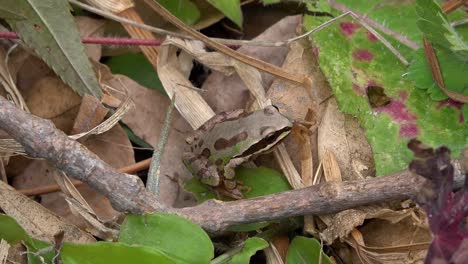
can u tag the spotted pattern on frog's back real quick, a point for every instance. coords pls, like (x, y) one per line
(223, 143)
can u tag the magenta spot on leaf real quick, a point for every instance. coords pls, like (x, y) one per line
(455, 104)
(450, 103)
(398, 111)
(409, 130)
(362, 55)
(373, 83)
(371, 37)
(403, 95)
(348, 28)
(315, 51)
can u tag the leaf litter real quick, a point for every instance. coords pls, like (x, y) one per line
(364, 230)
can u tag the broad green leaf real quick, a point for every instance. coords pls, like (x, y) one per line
(185, 10)
(50, 31)
(352, 59)
(115, 253)
(137, 67)
(230, 8)
(13, 233)
(261, 181)
(201, 191)
(306, 250)
(171, 234)
(435, 25)
(251, 246)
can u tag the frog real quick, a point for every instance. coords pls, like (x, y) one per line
(230, 139)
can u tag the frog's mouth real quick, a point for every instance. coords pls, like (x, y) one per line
(266, 143)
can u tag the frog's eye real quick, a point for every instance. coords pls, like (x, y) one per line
(267, 131)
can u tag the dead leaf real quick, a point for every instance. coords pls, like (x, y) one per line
(146, 120)
(90, 114)
(113, 147)
(90, 27)
(38, 222)
(226, 93)
(344, 135)
(4, 247)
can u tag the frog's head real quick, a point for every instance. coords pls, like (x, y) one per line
(267, 127)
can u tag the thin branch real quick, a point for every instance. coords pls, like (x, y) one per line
(127, 194)
(99, 40)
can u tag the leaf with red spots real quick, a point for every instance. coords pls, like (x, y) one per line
(354, 61)
(446, 210)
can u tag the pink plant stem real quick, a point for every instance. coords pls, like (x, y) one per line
(104, 41)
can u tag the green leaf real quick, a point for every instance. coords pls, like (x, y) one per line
(50, 31)
(13, 233)
(305, 250)
(230, 8)
(185, 10)
(262, 181)
(353, 59)
(10, 231)
(108, 252)
(453, 72)
(138, 68)
(251, 246)
(435, 25)
(201, 191)
(134, 138)
(171, 234)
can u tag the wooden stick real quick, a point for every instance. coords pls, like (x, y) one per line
(130, 169)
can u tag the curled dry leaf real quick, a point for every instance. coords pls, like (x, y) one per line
(38, 222)
(392, 237)
(226, 93)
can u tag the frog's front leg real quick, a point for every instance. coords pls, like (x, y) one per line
(202, 168)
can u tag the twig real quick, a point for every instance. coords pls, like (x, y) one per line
(130, 169)
(127, 193)
(100, 40)
(152, 184)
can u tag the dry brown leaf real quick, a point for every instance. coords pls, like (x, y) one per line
(52, 99)
(146, 120)
(189, 103)
(90, 27)
(4, 247)
(113, 147)
(38, 222)
(343, 134)
(394, 237)
(90, 114)
(226, 93)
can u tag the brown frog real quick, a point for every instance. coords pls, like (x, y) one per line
(229, 139)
